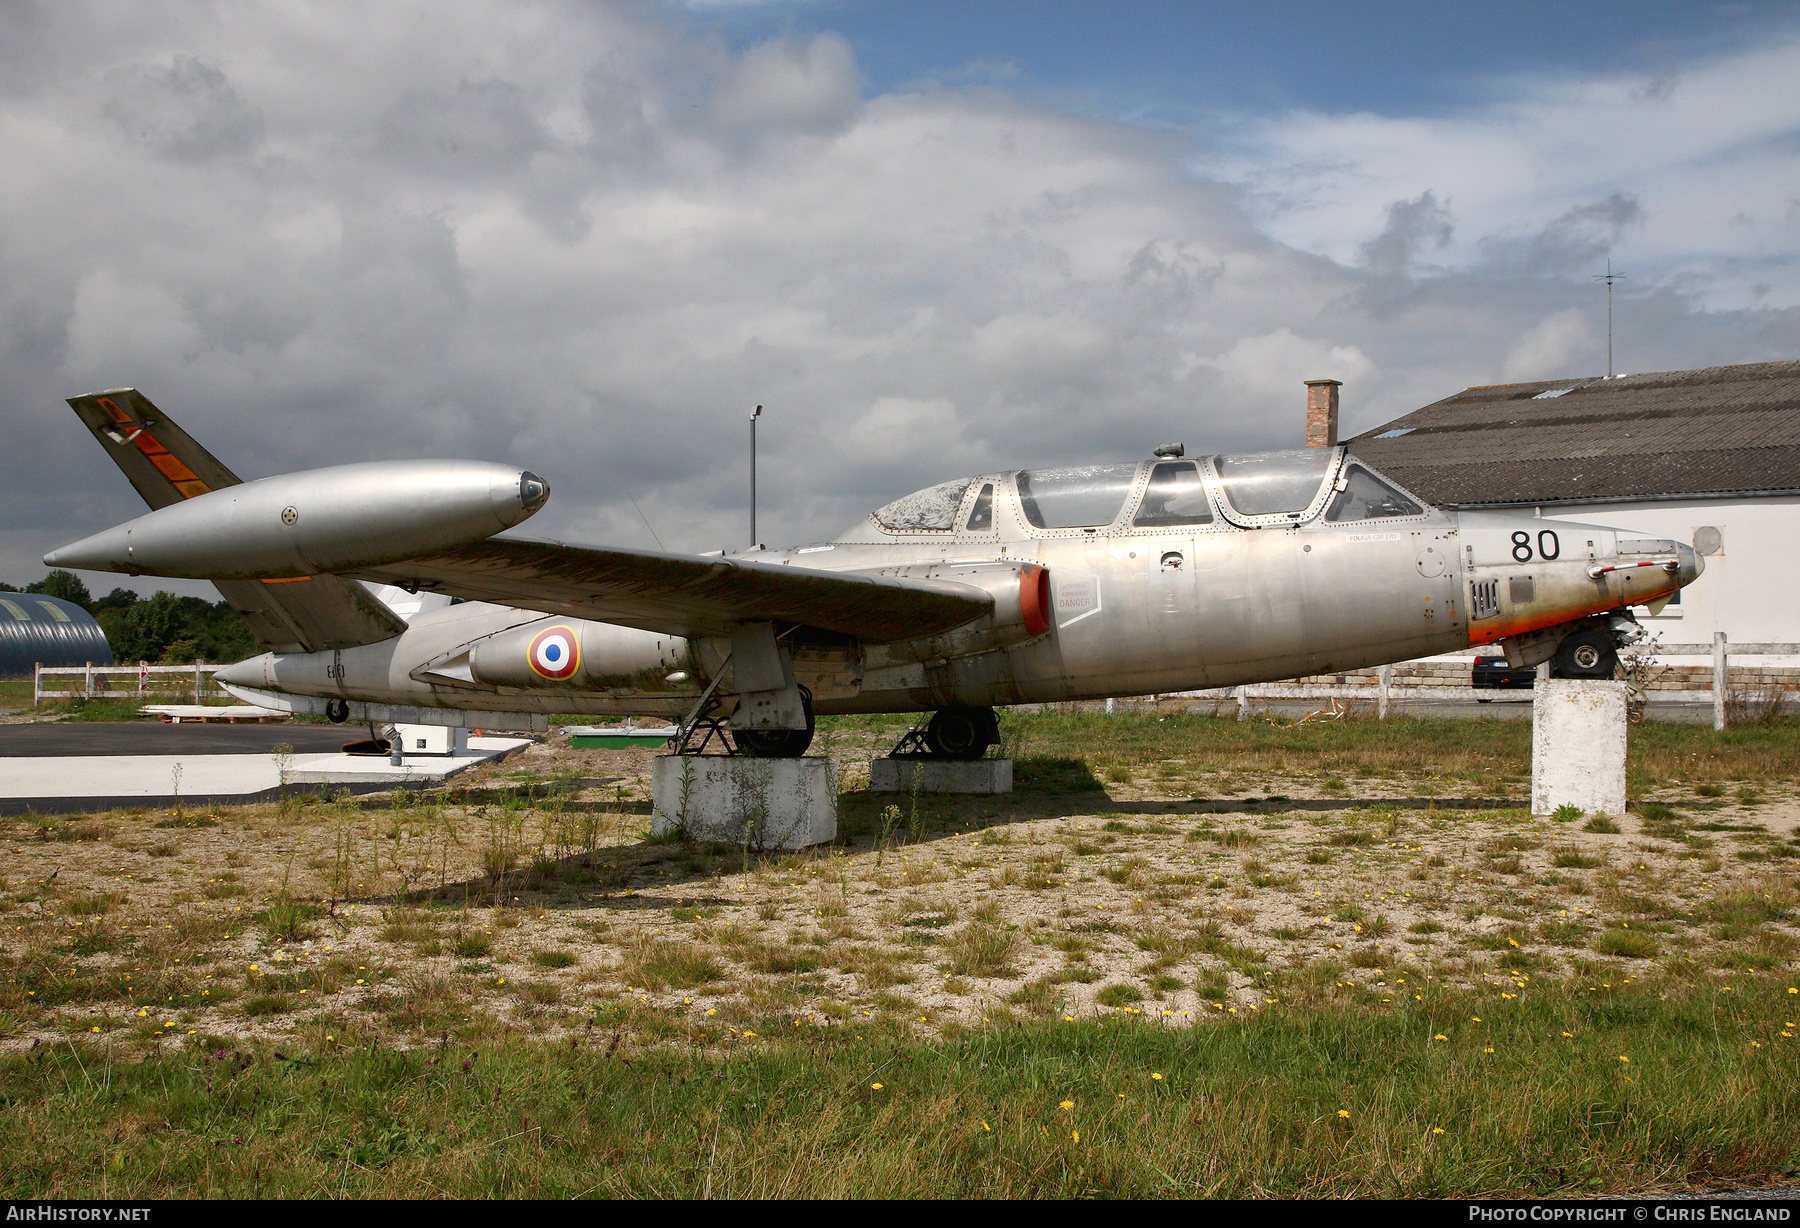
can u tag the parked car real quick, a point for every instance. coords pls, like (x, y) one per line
(1493, 673)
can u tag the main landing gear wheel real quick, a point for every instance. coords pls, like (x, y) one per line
(778, 743)
(337, 711)
(962, 733)
(1586, 654)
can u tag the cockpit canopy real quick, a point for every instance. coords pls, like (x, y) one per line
(1250, 490)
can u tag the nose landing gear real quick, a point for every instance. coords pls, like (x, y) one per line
(1586, 654)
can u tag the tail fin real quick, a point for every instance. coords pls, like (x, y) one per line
(162, 461)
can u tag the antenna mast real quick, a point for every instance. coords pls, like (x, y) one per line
(754, 415)
(1609, 277)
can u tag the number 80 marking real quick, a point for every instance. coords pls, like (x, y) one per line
(1548, 547)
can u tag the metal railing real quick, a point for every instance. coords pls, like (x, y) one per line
(124, 681)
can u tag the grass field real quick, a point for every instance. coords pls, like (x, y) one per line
(1330, 941)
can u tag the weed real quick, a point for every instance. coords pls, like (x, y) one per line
(1602, 823)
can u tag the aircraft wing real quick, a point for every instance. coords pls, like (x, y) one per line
(684, 594)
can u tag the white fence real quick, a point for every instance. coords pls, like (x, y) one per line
(1384, 691)
(125, 681)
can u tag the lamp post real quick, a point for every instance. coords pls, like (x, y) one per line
(754, 415)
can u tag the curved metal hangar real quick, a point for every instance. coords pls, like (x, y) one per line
(1027, 586)
(38, 630)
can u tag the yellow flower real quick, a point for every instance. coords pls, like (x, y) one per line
(1623, 1058)
(1066, 1105)
(1157, 1077)
(1570, 1035)
(1440, 1036)
(96, 1028)
(987, 1127)
(1343, 1112)
(1487, 1050)
(1477, 1018)
(875, 1087)
(1437, 1129)
(1076, 1135)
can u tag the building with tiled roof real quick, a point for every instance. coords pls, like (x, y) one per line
(1710, 456)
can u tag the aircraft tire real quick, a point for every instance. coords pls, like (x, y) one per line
(1586, 654)
(962, 733)
(778, 743)
(337, 711)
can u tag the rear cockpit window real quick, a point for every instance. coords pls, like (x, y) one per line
(1274, 483)
(1081, 497)
(935, 507)
(1366, 497)
(1174, 496)
(981, 516)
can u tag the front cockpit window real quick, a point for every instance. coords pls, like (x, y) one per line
(1174, 496)
(1274, 483)
(1080, 497)
(933, 508)
(981, 516)
(1363, 496)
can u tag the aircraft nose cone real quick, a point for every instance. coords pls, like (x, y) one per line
(249, 672)
(1691, 564)
(534, 492)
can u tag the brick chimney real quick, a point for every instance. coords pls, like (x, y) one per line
(1321, 412)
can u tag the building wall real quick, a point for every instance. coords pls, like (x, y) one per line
(1748, 590)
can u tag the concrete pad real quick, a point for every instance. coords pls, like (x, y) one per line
(940, 775)
(1578, 745)
(421, 769)
(39, 783)
(718, 799)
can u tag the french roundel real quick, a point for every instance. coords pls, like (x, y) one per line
(555, 653)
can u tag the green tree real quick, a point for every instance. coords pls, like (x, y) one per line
(173, 630)
(64, 584)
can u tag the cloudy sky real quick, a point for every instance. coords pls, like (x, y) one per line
(931, 237)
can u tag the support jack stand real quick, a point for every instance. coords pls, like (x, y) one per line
(913, 746)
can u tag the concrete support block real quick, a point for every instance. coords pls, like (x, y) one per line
(940, 775)
(721, 799)
(1578, 745)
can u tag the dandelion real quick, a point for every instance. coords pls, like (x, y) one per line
(711, 1011)
(1440, 1036)
(96, 1027)
(1488, 1050)
(1076, 1135)
(1343, 1112)
(1477, 1018)
(987, 1127)
(1066, 1105)
(1570, 1035)
(875, 1087)
(1623, 1058)
(1437, 1129)
(1157, 1077)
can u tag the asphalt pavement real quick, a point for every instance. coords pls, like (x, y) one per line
(75, 739)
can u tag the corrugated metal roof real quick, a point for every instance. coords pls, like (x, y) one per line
(1716, 431)
(39, 630)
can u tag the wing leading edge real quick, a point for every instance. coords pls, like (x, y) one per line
(686, 595)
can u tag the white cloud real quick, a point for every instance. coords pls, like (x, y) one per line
(571, 235)
(1559, 346)
(1687, 176)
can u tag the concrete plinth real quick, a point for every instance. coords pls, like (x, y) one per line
(940, 775)
(1578, 745)
(719, 799)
